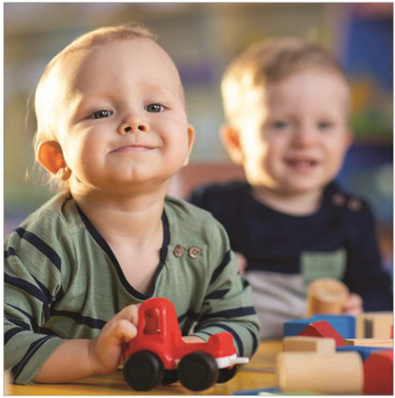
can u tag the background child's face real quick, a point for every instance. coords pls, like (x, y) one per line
(297, 134)
(121, 118)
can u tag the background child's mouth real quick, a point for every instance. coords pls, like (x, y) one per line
(302, 165)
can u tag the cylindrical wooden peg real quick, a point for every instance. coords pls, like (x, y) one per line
(340, 373)
(326, 296)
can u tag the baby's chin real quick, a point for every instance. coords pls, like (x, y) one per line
(307, 188)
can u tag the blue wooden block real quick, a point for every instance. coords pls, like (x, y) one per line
(260, 391)
(364, 352)
(344, 324)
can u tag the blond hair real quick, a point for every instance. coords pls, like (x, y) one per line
(268, 62)
(95, 38)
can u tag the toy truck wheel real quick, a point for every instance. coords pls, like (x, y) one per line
(170, 377)
(227, 374)
(198, 371)
(143, 370)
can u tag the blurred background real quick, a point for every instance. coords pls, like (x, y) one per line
(202, 38)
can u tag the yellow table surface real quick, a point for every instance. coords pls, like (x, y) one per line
(257, 374)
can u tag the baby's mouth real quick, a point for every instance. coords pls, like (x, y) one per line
(134, 148)
(301, 164)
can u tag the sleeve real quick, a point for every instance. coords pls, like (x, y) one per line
(32, 282)
(365, 275)
(227, 304)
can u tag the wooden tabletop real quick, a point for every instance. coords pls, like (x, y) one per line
(259, 373)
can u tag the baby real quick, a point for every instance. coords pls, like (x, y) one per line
(287, 105)
(112, 130)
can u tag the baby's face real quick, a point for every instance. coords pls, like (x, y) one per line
(296, 136)
(120, 116)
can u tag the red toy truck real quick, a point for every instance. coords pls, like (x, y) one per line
(158, 354)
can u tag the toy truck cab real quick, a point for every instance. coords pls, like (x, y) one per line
(158, 354)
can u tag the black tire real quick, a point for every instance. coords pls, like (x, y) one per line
(227, 374)
(198, 371)
(170, 377)
(143, 371)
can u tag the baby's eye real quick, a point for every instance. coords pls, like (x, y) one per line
(154, 108)
(101, 114)
(324, 125)
(280, 124)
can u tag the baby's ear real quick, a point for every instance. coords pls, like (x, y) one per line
(50, 156)
(349, 138)
(230, 138)
(191, 140)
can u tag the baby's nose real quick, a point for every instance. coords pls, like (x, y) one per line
(305, 137)
(132, 125)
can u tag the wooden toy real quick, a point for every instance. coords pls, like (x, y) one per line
(344, 325)
(326, 296)
(309, 344)
(158, 354)
(386, 343)
(340, 373)
(364, 352)
(323, 329)
(379, 374)
(375, 325)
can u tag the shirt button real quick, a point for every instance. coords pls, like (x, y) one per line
(178, 251)
(338, 199)
(354, 204)
(194, 252)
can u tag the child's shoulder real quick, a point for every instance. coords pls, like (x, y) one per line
(220, 198)
(353, 207)
(55, 216)
(191, 222)
(231, 188)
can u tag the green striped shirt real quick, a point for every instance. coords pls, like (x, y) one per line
(62, 281)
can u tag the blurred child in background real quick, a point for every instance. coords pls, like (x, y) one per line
(287, 107)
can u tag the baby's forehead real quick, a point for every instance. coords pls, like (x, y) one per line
(140, 60)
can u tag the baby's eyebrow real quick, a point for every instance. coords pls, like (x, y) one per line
(159, 89)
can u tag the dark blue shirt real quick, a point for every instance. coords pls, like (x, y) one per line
(271, 241)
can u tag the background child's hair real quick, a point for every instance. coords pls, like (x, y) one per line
(95, 38)
(267, 62)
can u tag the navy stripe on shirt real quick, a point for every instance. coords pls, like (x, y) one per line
(18, 322)
(221, 267)
(237, 338)
(217, 294)
(10, 252)
(27, 315)
(40, 245)
(81, 319)
(11, 333)
(18, 368)
(31, 289)
(233, 313)
(190, 315)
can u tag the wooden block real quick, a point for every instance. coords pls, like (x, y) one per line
(340, 373)
(326, 296)
(323, 329)
(318, 345)
(376, 325)
(344, 325)
(379, 374)
(386, 343)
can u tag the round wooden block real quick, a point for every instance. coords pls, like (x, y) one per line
(326, 296)
(340, 373)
